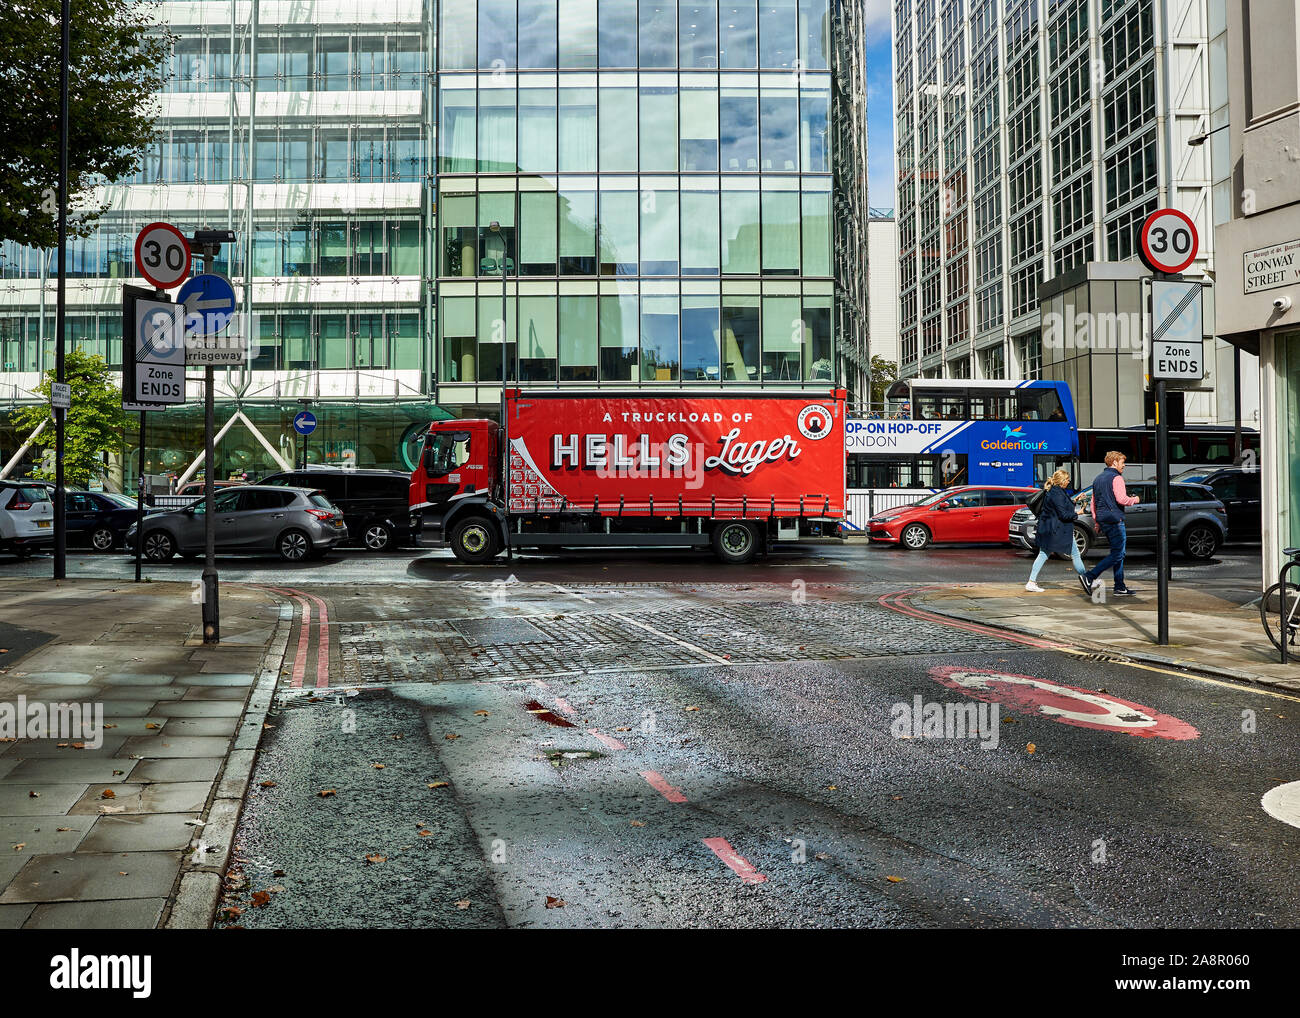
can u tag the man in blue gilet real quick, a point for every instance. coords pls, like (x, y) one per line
(1109, 497)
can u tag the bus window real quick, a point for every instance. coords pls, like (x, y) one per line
(942, 405)
(1046, 466)
(993, 405)
(1039, 405)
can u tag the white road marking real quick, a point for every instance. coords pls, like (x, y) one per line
(668, 636)
(1283, 803)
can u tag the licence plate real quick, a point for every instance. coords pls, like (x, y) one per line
(43, 524)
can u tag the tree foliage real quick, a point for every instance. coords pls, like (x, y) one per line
(883, 374)
(117, 56)
(93, 426)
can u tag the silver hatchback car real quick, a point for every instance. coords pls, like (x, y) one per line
(295, 523)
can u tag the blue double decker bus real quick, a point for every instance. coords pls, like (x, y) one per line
(936, 433)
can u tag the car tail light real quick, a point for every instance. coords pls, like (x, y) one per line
(20, 505)
(321, 514)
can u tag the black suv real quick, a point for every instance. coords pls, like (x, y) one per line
(1238, 490)
(375, 503)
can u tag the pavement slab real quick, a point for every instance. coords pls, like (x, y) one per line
(172, 711)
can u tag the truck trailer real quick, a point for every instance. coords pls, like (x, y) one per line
(736, 471)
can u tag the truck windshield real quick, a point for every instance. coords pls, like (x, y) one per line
(445, 451)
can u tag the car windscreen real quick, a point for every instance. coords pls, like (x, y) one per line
(121, 501)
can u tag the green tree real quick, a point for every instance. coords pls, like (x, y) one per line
(883, 374)
(93, 426)
(117, 56)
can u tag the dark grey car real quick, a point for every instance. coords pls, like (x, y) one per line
(295, 523)
(1198, 522)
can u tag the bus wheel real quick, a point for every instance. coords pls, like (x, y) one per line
(734, 543)
(474, 539)
(914, 537)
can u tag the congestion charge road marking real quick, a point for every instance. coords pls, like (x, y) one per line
(608, 740)
(1071, 705)
(741, 866)
(662, 787)
(1283, 803)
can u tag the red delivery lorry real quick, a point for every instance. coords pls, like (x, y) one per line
(734, 470)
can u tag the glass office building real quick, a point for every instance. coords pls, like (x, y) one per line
(642, 194)
(1034, 137)
(434, 199)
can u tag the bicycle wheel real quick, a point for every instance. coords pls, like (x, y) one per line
(1270, 610)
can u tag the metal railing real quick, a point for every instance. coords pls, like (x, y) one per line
(864, 503)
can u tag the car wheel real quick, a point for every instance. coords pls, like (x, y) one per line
(1082, 541)
(159, 546)
(1200, 541)
(377, 537)
(734, 543)
(293, 546)
(474, 540)
(915, 536)
(102, 539)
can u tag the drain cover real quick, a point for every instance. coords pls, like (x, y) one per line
(487, 632)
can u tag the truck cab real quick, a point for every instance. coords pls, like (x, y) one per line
(458, 474)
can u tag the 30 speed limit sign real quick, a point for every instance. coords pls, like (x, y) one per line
(1169, 241)
(162, 254)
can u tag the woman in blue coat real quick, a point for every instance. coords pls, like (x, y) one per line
(1056, 530)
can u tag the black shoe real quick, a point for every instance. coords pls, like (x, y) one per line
(1086, 584)
(1125, 592)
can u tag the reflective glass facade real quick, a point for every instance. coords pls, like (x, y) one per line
(638, 193)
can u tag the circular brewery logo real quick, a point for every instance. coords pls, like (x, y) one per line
(815, 421)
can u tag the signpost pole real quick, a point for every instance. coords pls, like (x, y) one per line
(1162, 510)
(60, 415)
(139, 500)
(211, 614)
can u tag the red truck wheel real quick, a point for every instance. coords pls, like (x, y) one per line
(734, 542)
(474, 540)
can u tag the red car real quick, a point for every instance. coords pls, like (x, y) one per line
(969, 514)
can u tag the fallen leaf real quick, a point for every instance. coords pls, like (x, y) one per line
(378, 767)
(622, 729)
(275, 889)
(110, 726)
(261, 899)
(451, 735)
(440, 784)
(896, 798)
(832, 788)
(267, 784)
(33, 795)
(63, 828)
(692, 708)
(1031, 748)
(482, 713)
(152, 725)
(20, 846)
(555, 902)
(424, 833)
(327, 792)
(821, 855)
(108, 793)
(230, 911)
(462, 904)
(376, 858)
(895, 880)
(638, 823)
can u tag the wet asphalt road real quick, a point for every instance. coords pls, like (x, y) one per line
(658, 748)
(1234, 570)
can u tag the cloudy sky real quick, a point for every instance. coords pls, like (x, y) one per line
(880, 101)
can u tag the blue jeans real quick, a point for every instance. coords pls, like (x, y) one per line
(1118, 538)
(1043, 557)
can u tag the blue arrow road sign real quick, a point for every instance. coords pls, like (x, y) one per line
(305, 423)
(209, 302)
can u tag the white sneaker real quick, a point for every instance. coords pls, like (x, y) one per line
(1033, 587)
